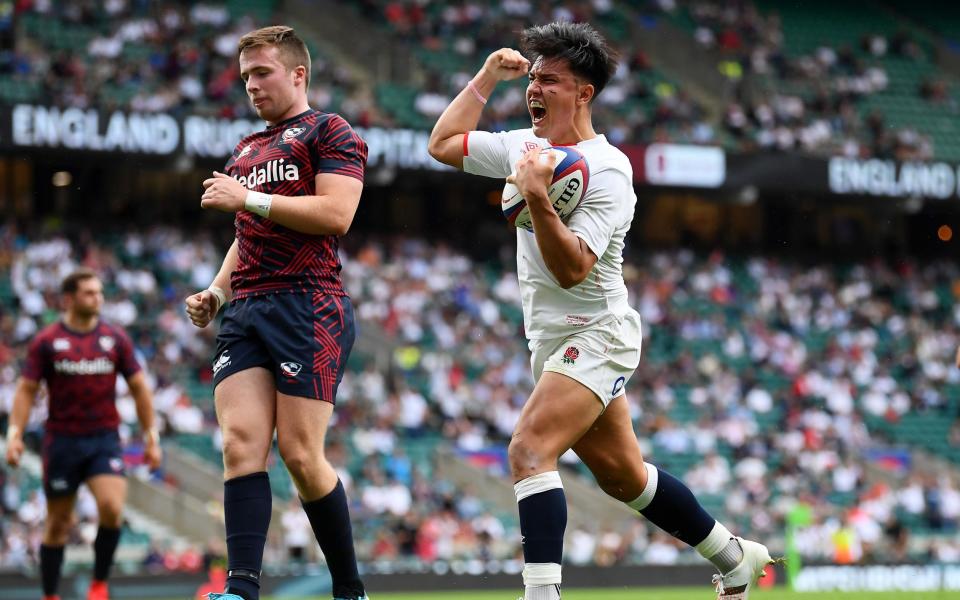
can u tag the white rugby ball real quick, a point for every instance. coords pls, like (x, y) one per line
(570, 178)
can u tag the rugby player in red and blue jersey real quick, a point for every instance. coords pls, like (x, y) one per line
(79, 358)
(289, 326)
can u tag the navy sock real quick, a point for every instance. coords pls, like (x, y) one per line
(675, 510)
(543, 519)
(247, 503)
(104, 548)
(330, 519)
(51, 560)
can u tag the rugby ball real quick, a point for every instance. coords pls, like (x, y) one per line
(570, 177)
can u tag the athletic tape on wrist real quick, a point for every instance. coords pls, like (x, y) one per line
(12, 431)
(220, 295)
(258, 203)
(152, 435)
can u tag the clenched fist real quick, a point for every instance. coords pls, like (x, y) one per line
(202, 307)
(506, 64)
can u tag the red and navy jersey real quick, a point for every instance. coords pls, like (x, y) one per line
(284, 159)
(81, 374)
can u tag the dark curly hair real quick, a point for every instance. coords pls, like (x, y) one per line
(579, 44)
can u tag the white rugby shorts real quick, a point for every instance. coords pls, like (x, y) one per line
(603, 357)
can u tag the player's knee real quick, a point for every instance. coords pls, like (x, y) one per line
(239, 455)
(302, 463)
(110, 513)
(623, 482)
(57, 529)
(525, 458)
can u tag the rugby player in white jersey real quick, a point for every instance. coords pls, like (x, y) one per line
(583, 335)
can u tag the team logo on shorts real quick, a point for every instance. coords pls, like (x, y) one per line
(292, 133)
(291, 369)
(59, 484)
(618, 386)
(570, 355)
(221, 362)
(106, 343)
(116, 464)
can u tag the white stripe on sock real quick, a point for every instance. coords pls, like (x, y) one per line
(542, 592)
(535, 484)
(715, 541)
(541, 574)
(649, 491)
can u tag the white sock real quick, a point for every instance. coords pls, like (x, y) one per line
(720, 548)
(542, 592)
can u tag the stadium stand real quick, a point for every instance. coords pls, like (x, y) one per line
(844, 361)
(763, 381)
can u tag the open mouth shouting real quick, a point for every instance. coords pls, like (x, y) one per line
(538, 112)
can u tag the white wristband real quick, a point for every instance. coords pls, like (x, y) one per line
(220, 295)
(13, 431)
(258, 203)
(151, 435)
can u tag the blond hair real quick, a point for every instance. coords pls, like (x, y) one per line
(293, 52)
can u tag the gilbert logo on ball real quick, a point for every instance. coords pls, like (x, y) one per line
(570, 177)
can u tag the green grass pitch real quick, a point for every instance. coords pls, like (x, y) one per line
(698, 593)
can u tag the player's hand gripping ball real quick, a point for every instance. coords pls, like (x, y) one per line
(567, 187)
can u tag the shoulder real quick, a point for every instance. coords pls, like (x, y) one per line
(607, 157)
(49, 332)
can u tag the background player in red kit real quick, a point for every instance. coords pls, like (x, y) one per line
(285, 336)
(79, 357)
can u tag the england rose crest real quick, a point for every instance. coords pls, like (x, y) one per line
(570, 355)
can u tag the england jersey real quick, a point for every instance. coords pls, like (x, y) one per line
(601, 220)
(284, 159)
(80, 369)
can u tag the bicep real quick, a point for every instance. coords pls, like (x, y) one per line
(344, 188)
(451, 150)
(137, 383)
(28, 387)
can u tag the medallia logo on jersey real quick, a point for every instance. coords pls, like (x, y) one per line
(570, 355)
(269, 172)
(100, 366)
(245, 151)
(292, 133)
(291, 369)
(106, 343)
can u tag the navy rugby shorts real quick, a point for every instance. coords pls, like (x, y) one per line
(69, 460)
(304, 339)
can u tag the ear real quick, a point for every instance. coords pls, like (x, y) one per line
(300, 74)
(585, 93)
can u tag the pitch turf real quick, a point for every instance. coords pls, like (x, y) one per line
(698, 593)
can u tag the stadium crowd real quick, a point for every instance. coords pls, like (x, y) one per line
(755, 427)
(179, 58)
(807, 102)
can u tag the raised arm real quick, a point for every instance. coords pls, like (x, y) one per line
(463, 113)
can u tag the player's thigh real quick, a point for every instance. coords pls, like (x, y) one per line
(246, 411)
(110, 493)
(309, 337)
(559, 411)
(611, 451)
(301, 425)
